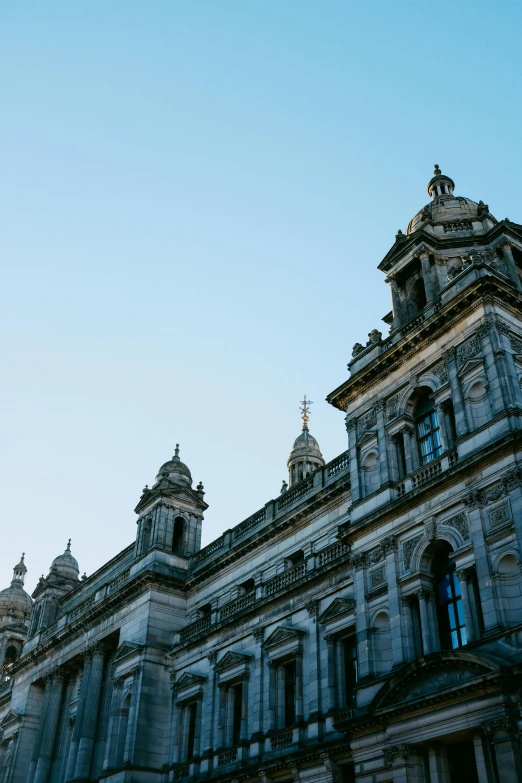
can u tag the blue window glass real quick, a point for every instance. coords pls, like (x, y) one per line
(450, 611)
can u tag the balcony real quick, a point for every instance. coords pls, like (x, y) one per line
(426, 473)
(233, 607)
(228, 756)
(285, 579)
(281, 739)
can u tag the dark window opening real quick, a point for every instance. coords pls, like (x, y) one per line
(192, 731)
(401, 457)
(428, 430)
(348, 773)
(147, 531)
(450, 611)
(205, 610)
(248, 586)
(418, 295)
(350, 669)
(450, 422)
(417, 632)
(289, 693)
(462, 764)
(177, 535)
(236, 723)
(296, 559)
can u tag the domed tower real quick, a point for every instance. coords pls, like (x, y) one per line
(63, 577)
(306, 455)
(171, 512)
(15, 610)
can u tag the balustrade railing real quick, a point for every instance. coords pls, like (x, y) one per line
(281, 740)
(112, 586)
(209, 550)
(338, 464)
(285, 578)
(332, 552)
(183, 771)
(227, 757)
(233, 607)
(249, 523)
(195, 628)
(297, 492)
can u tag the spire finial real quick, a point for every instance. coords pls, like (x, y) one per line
(305, 411)
(68, 546)
(176, 451)
(23, 557)
(436, 170)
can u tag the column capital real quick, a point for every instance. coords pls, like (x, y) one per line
(273, 665)
(402, 751)
(312, 607)
(505, 723)
(212, 657)
(259, 634)
(463, 574)
(424, 593)
(330, 639)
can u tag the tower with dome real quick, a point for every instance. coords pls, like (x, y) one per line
(365, 624)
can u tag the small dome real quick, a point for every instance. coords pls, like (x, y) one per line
(444, 206)
(66, 565)
(175, 470)
(15, 603)
(305, 445)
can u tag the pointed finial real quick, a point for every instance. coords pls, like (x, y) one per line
(22, 558)
(68, 546)
(176, 451)
(436, 170)
(305, 411)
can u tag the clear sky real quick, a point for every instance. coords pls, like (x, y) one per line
(194, 197)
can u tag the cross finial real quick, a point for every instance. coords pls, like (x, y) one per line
(176, 451)
(305, 411)
(69, 545)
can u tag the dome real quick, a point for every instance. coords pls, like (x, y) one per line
(66, 565)
(175, 470)
(14, 601)
(445, 207)
(305, 445)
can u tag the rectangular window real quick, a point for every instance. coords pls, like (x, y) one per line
(428, 437)
(238, 701)
(350, 669)
(192, 731)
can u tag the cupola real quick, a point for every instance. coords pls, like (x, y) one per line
(305, 456)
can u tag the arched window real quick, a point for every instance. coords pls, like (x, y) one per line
(427, 427)
(450, 611)
(177, 535)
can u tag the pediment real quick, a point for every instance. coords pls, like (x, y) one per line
(338, 608)
(282, 636)
(167, 489)
(231, 660)
(10, 717)
(188, 680)
(432, 676)
(368, 436)
(470, 366)
(126, 650)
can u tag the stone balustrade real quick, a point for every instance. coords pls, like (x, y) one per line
(285, 579)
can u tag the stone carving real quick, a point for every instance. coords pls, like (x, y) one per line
(359, 560)
(377, 577)
(401, 751)
(312, 607)
(482, 497)
(482, 209)
(459, 225)
(504, 724)
(392, 404)
(516, 343)
(468, 349)
(374, 337)
(460, 523)
(430, 528)
(363, 559)
(499, 515)
(367, 420)
(357, 349)
(408, 548)
(441, 372)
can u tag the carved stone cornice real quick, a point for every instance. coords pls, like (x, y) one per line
(396, 751)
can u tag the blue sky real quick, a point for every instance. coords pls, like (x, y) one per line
(194, 197)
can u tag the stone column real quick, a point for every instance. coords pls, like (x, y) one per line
(299, 686)
(408, 638)
(132, 725)
(361, 617)
(396, 301)
(510, 264)
(382, 442)
(197, 733)
(351, 426)
(90, 715)
(480, 761)
(243, 734)
(423, 596)
(40, 731)
(208, 706)
(501, 341)
(280, 697)
(438, 765)
(507, 753)
(340, 679)
(433, 622)
(442, 428)
(426, 276)
(330, 647)
(461, 423)
(78, 721)
(176, 734)
(486, 589)
(3, 648)
(389, 545)
(222, 714)
(257, 689)
(468, 618)
(112, 729)
(410, 451)
(313, 672)
(272, 695)
(52, 717)
(102, 735)
(229, 723)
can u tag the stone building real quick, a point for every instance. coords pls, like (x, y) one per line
(365, 625)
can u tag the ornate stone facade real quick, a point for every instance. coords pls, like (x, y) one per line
(315, 640)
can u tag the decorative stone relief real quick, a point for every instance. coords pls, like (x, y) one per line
(441, 372)
(483, 497)
(504, 724)
(499, 514)
(468, 349)
(402, 751)
(516, 343)
(377, 577)
(391, 407)
(408, 548)
(460, 523)
(367, 420)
